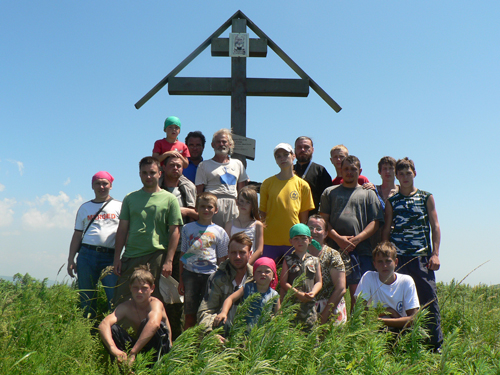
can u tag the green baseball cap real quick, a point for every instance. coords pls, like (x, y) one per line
(172, 120)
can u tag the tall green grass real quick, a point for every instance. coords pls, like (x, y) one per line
(42, 331)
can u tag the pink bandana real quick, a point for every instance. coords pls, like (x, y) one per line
(102, 174)
(265, 261)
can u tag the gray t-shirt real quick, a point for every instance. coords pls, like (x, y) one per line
(351, 210)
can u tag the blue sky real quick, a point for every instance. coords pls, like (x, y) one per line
(416, 79)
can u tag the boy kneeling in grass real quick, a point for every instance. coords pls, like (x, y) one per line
(395, 291)
(144, 314)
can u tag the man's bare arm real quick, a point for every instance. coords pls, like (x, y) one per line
(241, 185)
(401, 321)
(149, 330)
(434, 262)
(75, 244)
(200, 188)
(172, 247)
(369, 230)
(386, 230)
(105, 332)
(120, 240)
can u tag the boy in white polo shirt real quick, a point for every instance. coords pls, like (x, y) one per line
(395, 291)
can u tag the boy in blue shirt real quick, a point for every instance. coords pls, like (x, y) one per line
(417, 235)
(204, 246)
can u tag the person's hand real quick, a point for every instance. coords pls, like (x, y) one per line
(180, 288)
(345, 244)
(325, 315)
(368, 186)
(121, 356)
(71, 268)
(434, 263)
(392, 313)
(302, 297)
(131, 359)
(167, 268)
(219, 319)
(117, 266)
(355, 242)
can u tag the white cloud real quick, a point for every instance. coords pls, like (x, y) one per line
(19, 164)
(2, 187)
(67, 181)
(6, 213)
(52, 211)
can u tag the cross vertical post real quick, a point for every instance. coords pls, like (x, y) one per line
(239, 90)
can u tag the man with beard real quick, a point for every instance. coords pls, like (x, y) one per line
(231, 275)
(222, 176)
(195, 142)
(316, 175)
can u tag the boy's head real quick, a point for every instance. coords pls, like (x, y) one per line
(300, 237)
(405, 164)
(172, 127)
(385, 260)
(405, 173)
(141, 284)
(386, 161)
(239, 250)
(351, 169)
(264, 272)
(337, 154)
(206, 205)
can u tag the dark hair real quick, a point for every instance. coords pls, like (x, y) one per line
(148, 160)
(405, 163)
(196, 134)
(241, 238)
(304, 138)
(386, 160)
(351, 159)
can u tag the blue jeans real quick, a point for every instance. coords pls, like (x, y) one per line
(89, 265)
(425, 283)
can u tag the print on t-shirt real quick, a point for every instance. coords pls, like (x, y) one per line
(227, 178)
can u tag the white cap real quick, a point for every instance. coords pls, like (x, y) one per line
(283, 146)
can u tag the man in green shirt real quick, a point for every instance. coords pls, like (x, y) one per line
(149, 229)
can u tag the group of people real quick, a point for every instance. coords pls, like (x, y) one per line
(199, 222)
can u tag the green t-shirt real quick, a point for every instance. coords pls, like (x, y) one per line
(149, 216)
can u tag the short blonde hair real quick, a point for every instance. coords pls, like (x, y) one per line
(229, 136)
(206, 196)
(385, 249)
(341, 148)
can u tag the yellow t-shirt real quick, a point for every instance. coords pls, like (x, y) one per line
(282, 201)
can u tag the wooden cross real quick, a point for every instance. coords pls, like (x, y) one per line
(239, 86)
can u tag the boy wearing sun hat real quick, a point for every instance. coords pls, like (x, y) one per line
(170, 145)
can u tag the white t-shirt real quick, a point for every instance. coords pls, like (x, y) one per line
(201, 246)
(221, 178)
(102, 232)
(401, 295)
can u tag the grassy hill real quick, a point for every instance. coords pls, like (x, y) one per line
(42, 332)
